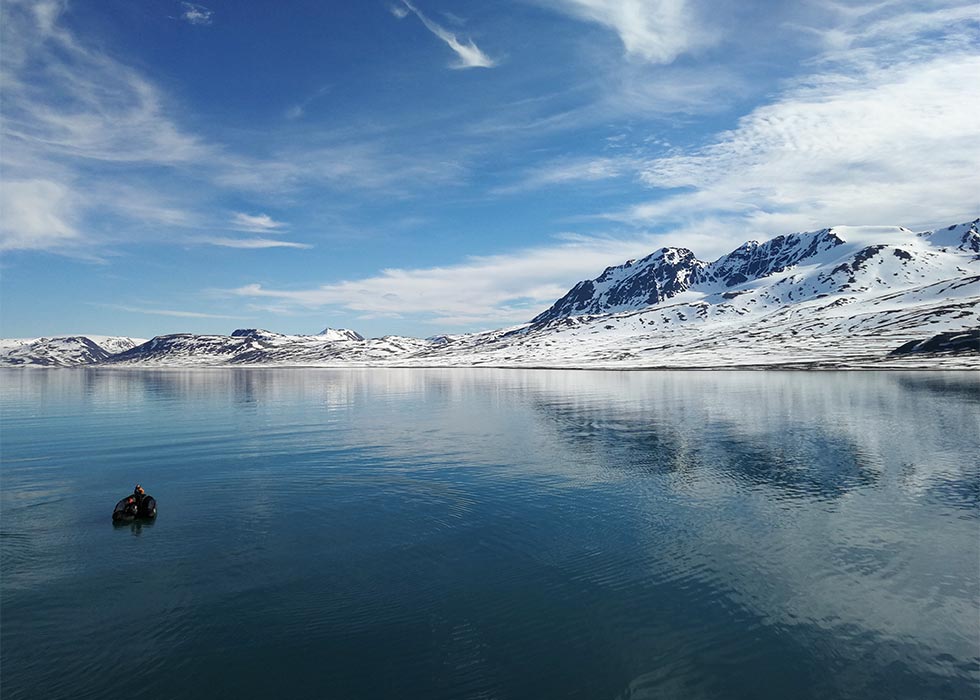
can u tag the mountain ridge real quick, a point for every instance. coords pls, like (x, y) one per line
(841, 296)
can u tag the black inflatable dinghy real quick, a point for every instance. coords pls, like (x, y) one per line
(128, 509)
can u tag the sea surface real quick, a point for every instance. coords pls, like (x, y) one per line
(490, 534)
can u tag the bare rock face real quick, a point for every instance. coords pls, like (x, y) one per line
(634, 284)
(957, 342)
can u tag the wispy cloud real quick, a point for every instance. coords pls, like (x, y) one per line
(365, 165)
(37, 214)
(487, 290)
(256, 222)
(66, 108)
(63, 100)
(196, 14)
(875, 135)
(878, 131)
(569, 171)
(71, 109)
(453, 18)
(876, 26)
(166, 312)
(657, 31)
(251, 243)
(298, 110)
(468, 53)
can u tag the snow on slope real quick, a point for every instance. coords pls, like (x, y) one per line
(831, 332)
(62, 352)
(340, 334)
(850, 252)
(256, 346)
(838, 297)
(113, 344)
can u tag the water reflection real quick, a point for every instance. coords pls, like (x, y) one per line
(466, 533)
(135, 527)
(798, 461)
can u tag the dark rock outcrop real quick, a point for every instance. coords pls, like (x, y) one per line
(962, 342)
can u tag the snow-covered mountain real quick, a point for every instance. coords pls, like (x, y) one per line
(256, 346)
(853, 253)
(340, 334)
(67, 351)
(838, 297)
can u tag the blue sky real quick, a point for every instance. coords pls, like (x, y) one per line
(433, 166)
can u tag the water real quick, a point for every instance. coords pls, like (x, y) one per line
(491, 534)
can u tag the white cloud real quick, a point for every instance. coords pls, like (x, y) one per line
(469, 54)
(882, 25)
(883, 130)
(696, 90)
(657, 31)
(251, 243)
(64, 100)
(166, 312)
(357, 165)
(71, 110)
(196, 14)
(256, 222)
(877, 134)
(36, 214)
(893, 145)
(489, 290)
(568, 171)
(66, 108)
(138, 203)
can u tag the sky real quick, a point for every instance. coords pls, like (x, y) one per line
(441, 166)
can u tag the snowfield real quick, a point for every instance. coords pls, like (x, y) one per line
(843, 297)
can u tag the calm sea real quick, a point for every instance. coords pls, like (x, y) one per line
(491, 534)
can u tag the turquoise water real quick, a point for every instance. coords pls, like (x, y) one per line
(491, 534)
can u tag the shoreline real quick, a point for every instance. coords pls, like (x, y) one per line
(815, 366)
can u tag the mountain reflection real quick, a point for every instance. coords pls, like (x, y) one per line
(819, 465)
(534, 533)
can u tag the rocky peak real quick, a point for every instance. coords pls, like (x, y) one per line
(753, 260)
(670, 271)
(635, 283)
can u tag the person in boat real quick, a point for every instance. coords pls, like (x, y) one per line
(137, 505)
(145, 505)
(126, 509)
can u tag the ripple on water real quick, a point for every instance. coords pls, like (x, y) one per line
(491, 534)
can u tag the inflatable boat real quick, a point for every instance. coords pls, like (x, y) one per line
(128, 509)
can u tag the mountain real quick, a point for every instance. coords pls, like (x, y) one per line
(256, 346)
(66, 351)
(838, 297)
(634, 284)
(340, 334)
(853, 251)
